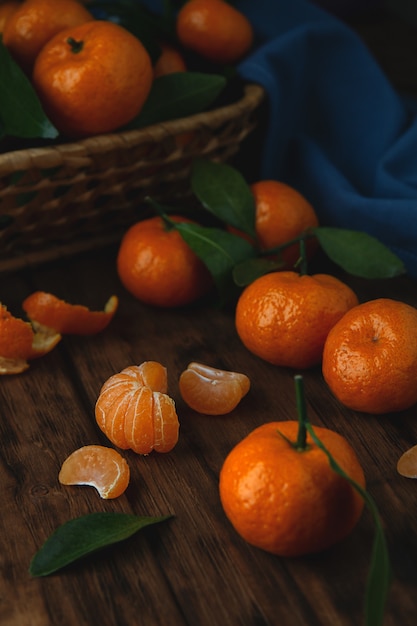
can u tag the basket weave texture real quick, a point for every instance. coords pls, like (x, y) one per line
(59, 200)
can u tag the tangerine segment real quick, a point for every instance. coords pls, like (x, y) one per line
(47, 311)
(99, 467)
(134, 411)
(212, 391)
(288, 502)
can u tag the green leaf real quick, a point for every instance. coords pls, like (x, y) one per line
(358, 253)
(249, 270)
(84, 535)
(223, 191)
(219, 250)
(21, 113)
(179, 95)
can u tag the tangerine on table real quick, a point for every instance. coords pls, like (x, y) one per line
(35, 22)
(158, 267)
(47, 311)
(135, 412)
(211, 390)
(282, 213)
(99, 467)
(284, 317)
(290, 502)
(93, 78)
(6, 9)
(370, 357)
(215, 30)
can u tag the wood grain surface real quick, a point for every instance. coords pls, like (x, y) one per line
(193, 569)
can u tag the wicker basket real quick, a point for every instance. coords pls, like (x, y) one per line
(67, 198)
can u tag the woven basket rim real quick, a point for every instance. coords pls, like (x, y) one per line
(26, 158)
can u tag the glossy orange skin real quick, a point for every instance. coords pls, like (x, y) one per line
(370, 357)
(288, 502)
(97, 85)
(35, 22)
(215, 30)
(6, 10)
(156, 266)
(284, 317)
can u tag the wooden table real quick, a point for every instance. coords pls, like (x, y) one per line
(193, 569)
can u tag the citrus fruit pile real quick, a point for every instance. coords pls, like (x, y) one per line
(93, 75)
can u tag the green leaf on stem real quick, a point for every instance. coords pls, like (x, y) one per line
(179, 95)
(249, 270)
(84, 535)
(358, 253)
(223, 191)
(21, 113)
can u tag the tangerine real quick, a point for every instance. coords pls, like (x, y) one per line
(282, 214)
(210, 390)
(370, 357)
(99, 467)
(47, 311)
(93, 78)
(158, 267)
(215, 30)
(289, 501)
(6, 9)
(134, 411)
(170, 61)
(35, 22)
(284, 317)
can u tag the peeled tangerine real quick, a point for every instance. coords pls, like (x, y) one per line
(134, 410)
(99, 467)
(212, 391)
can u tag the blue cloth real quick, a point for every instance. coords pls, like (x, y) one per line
(337, 130)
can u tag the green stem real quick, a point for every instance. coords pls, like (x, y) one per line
(76, 46)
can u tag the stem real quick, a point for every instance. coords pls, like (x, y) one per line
(303, 257)
(301, 443)
(76, 46)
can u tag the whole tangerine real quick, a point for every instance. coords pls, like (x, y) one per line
(157, 266)
(35, 22)
(93, 78)
(284, 317)
(287, 501)
(370, 357)
(215, 30)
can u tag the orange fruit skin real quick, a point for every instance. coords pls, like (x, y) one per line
(215, 30)
(284, 317)
(97, 88)
(35, 22)
(157, 266)
(211, 390)
(99, 467)
(46, 310)
(287, 502)
(282, 213)
(134, 411)
(170, 61)
(6, 10)
(370, 357)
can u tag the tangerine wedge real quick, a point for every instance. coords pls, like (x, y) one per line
(134, 410)
(212, 391)
(19, 343)
(47, 311)
(99, 467)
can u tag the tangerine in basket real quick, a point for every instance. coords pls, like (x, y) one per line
(158, 267)
(135, 412)
(284, 317)
(282, 494)
(370, 357)
(170, 61)
(215, 30)
(210, 390)
(6, 9)
(93, 78)
(19, 342)
(99, 467)
(35, 22)
(47, 311)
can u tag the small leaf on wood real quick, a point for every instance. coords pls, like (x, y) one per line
(223, 191)
(84, 535)
(358, 253)
(21, 113)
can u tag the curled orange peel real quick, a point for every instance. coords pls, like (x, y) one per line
(20, 342)
(46, 311)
